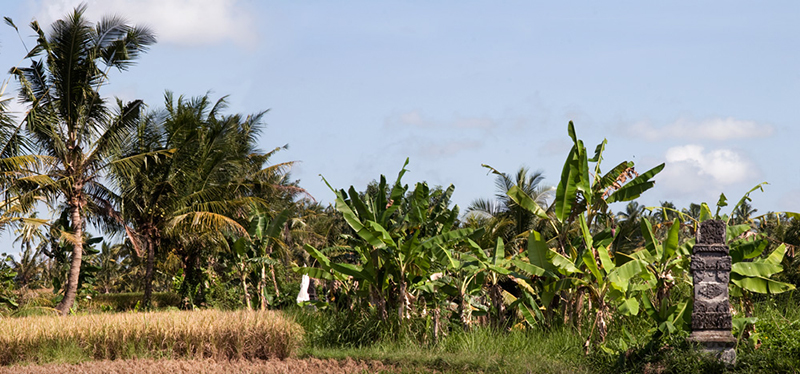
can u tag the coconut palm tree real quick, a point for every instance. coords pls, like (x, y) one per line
(203, 190)
(508, 220)
(70, 122)
(743, 213)
(629, 235)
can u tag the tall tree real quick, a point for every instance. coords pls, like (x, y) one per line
(69, 121)
(508, 219)
(204, 189)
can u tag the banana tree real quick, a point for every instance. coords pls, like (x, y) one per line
(667, 263)
(582, 196)
(495, 267)
(585, 189)
(264, 237)
(400, 236)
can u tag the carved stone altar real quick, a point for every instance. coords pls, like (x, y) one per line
(711, 272)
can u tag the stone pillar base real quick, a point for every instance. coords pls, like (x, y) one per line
(718, 343)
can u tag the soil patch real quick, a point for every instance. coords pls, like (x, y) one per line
(287, 366)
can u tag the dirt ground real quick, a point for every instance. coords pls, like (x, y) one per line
(287, 366)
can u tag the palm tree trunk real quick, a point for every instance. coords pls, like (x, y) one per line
(71, 290)
(148, 273)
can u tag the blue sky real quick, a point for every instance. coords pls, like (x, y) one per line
(710, 88)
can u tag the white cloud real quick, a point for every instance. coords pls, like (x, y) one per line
(184, 22)
(691, 168)
(713, 129)
(417, 119)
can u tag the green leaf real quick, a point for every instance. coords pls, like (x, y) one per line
(444, 257)
(621, 276)
(598, 155)
(453, 236)
(477, 250)
(747, 248)
(650, 309)
(605, 259)
(381, 233)
(499, 251)
(538, 252)
(776, 257)
(722, 202)
(587, 236)
(312, 272)
(671, 244)
(733, 232)
(760, 284)
(562, 263)
(352, 220)
(636, 186)
(530, 310)
(756, 269)
(591, 264)
(528, 269)
(651, 243)
(526, 202)
(317, 255)
(354, 271)
(705, 212)
(240, 246)
(629, 307)
(567, 190)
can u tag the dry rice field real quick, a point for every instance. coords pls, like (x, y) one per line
(207, 334)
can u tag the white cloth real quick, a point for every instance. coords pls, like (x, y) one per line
(303, 294)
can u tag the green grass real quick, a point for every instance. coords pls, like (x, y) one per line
(774, 348)
(483, 349)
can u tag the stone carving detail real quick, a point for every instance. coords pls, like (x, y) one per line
(711, 307)
(711, 263)
(711, 232)
(711, 321)
(710, 290)
(711, 271)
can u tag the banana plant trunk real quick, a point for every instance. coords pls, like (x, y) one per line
(243, 279)
(436, 316)
(496, 294)
(402, 300)
(465, 312)
(71, 289)
(274, 281)
(379, 302)
(262, 284)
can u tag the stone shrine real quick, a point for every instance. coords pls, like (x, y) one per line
(711, 272)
